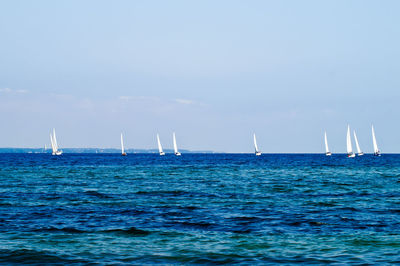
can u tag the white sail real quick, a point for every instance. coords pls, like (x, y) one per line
(376, 150)
(54, 145)
(55, 139)
(357, 145)
(257, 151)
(326, 145)
(122, 145)
(175, 146)
(255, 143)
(349, 146)
(160, 149)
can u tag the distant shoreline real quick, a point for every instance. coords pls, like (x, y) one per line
(92, 150)
(144, 151)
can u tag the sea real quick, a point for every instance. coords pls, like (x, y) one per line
(146, 209)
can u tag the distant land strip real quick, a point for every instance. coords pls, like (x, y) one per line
(91, 150)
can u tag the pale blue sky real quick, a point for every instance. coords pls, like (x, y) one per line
(213, 71)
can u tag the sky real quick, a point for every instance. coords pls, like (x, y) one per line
(214, 72)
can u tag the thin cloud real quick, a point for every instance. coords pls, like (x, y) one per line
(184, 101)
(61, 95)
(138, 98)
(125, 98)
(170, 103)
(8, 90)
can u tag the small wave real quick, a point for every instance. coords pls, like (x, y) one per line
(349, 209)
(246, 218)
(163, 193)
(295, 223)
(40, 214)
(199, 225)
(131, 212)
(299, 223)
(347, 219)
(50, 197)
(27, 256)
(133, 231)
(316, 223)
(328, 204)
(90, 174)
(70, 230)
(97, 194)
(190, 208)
(242, 231)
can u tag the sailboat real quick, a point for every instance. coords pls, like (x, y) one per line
(54, 145)
(257, 151)
(177, 153)
(327, 152)
(350, 152)
(160, 149)
(359, 152)
(377, 152)
(123, 153)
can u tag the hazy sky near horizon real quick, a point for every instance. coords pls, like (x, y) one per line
(212, 71)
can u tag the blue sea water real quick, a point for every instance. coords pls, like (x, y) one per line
(199, 209)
